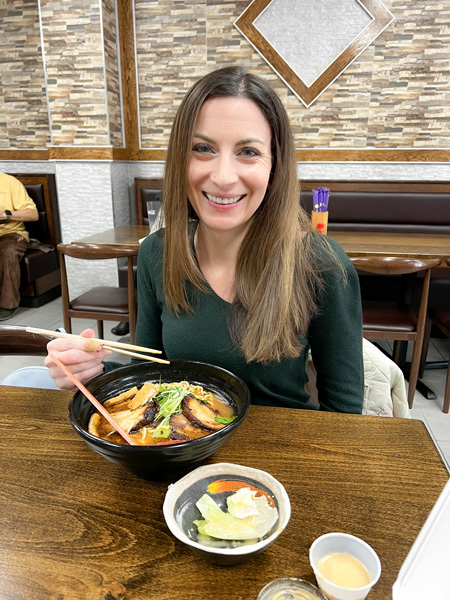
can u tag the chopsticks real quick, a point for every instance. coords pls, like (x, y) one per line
(119, 347)
(94, 401)
(137, 355)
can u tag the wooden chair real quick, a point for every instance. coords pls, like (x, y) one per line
(440, 317)
(104, 303)
(15, 339)
(397, 321)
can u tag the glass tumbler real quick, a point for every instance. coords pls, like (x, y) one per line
(153, 207)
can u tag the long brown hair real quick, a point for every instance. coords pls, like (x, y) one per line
(276, 279)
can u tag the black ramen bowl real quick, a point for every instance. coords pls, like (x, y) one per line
(167, 461)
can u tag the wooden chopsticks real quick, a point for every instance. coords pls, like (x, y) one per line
(136, 354)
(93, 343)
(101, 409)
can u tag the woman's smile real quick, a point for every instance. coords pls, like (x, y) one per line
(223, 200)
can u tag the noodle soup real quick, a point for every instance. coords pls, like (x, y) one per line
(163, 413)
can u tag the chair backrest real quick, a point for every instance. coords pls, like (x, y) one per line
(384, 320)
(15, 339)
(96, 251)
(393, 265)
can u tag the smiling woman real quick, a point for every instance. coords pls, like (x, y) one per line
(237, 278)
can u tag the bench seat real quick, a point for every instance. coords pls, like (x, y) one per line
(40, 279)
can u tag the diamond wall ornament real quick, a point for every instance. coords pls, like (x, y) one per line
(309, 43)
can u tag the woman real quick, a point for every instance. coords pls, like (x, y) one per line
(237, 278)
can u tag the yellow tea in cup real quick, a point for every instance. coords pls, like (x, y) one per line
(345, 566)
(344, 570)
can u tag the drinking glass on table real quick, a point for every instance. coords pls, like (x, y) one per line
(153, 208)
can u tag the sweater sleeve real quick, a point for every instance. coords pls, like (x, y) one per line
(335, 339)
(149, 286)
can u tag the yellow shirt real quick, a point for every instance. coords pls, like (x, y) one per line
(13, 196)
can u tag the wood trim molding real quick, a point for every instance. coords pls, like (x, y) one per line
(373, 155)
(328, 155)
(80, 153)
(18, 155)
(155, 155)
(150, 155)
(128, 72)
(409, 187)
(307, 94)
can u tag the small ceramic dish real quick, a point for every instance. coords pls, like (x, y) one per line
(220, 481)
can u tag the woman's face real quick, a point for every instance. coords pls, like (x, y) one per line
(230, 163)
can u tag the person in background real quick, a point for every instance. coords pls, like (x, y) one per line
(237, 277)
(16, 207)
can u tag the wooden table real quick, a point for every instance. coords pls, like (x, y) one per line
(125, 236)
(411, 245)
(77, 527)
(355, 243)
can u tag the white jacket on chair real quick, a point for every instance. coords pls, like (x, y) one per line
(384, 385)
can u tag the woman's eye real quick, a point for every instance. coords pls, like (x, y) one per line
(202, 148)
(249, 152)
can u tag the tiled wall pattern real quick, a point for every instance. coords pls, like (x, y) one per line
(171, 52)
(396, 94)
(22, 83)
(122, 198)
(112, 72)
(410, 89)
(75, 76)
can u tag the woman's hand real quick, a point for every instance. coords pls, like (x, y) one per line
(83, 358)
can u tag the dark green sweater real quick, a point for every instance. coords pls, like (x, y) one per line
(334, 338)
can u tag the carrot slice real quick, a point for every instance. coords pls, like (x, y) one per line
(226, 485)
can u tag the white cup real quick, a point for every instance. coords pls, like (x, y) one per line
(347, 544)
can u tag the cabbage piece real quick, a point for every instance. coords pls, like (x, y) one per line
(243, 503)
(223, 525)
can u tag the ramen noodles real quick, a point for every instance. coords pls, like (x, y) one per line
(163, 413)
